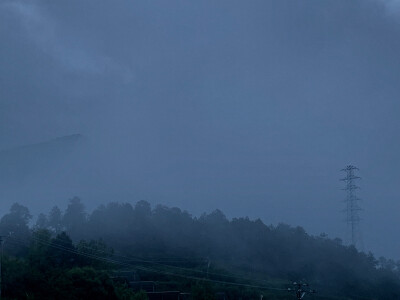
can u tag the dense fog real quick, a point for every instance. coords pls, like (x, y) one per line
(248, 107)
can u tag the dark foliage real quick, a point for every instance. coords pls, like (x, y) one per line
(164, 243)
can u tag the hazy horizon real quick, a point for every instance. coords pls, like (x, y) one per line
(252, 108)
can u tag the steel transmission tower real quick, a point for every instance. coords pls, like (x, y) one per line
(352, 207)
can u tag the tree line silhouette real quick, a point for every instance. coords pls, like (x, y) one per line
(75, 248)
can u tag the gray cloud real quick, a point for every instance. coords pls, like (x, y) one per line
(249, 107)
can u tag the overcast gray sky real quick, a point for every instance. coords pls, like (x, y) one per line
(251, 107)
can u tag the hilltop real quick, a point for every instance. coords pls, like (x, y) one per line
(240, 257)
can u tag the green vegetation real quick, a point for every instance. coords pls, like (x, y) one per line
(75, 255)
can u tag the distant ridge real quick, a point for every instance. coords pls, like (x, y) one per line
(67, 139)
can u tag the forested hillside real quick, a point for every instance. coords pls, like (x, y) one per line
(76, 254)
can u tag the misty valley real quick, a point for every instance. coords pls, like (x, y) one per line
(199, 150)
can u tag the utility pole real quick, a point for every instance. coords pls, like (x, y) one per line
(301, 290)
(208, 265)
(352, 207)
(1, 258)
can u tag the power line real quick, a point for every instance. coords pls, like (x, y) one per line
(147, 269)
(62, 248)
(138, 260)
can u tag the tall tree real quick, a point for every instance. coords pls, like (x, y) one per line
(15, 224)
(55, 220)
(42, 221)
(75, 218)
